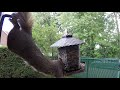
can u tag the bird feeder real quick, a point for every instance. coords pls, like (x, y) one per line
(68, 52)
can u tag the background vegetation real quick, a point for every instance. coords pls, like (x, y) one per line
(99, 30)
(12, 66)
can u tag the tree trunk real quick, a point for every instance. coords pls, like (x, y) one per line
(117, 28)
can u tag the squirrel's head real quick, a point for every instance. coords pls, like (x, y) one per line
(13, 18)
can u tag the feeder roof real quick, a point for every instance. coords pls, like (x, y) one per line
(67, 41)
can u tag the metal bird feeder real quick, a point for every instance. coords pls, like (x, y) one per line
(68, 52)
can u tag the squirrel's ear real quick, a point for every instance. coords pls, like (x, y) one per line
(19, 24)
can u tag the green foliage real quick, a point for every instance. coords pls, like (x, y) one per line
(12, 66)
(88, 28)
(45, 32)
(97, 29)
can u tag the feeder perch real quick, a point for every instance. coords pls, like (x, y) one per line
(68, 51)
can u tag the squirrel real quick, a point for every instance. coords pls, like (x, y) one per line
(20, 41)
(24, 20)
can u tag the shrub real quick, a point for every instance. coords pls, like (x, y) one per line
(13, 66)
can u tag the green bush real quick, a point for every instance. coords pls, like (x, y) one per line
(13, 66)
